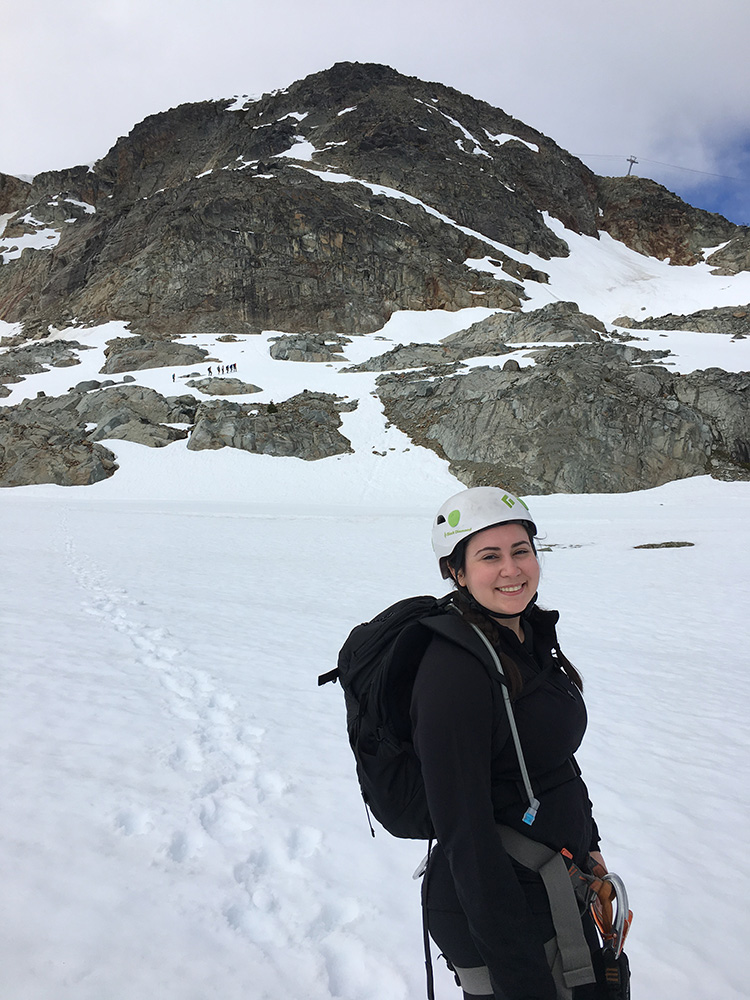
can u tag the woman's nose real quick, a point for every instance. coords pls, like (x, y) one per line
(507, 567)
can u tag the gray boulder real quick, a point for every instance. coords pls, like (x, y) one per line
(49, 439)
(219, 386)
(305, 426)
(35, 449)
(128, 354)
(308, 347)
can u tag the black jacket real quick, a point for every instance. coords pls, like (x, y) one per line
(462, 738)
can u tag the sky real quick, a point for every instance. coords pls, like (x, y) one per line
(666, 83)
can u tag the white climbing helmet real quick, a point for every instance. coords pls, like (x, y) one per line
(470, 511)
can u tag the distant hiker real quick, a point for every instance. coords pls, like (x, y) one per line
(464, 723)
(173, 376)
(209, 370)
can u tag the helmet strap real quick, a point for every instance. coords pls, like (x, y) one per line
(465, 592)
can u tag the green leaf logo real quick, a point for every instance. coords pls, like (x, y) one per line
(454, 517)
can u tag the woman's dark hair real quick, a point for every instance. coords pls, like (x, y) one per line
(457, 562)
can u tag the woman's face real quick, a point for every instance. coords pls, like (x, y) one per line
(501, 569)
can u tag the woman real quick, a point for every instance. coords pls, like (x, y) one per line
(490, 915)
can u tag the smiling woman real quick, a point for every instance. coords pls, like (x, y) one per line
(501, 571)
(488, 909)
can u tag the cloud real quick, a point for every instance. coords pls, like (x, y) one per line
(663, 81)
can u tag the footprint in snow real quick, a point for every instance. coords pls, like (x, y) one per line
(133, 822)
(270, 785)
(304, 841)
(184, 846)
(187, 756)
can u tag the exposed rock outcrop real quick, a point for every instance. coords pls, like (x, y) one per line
(135, 413)
(326, 207)
(582, 420)
(319, 211)
(238, 252)
(558, 321)
(305, 426)
(308, 347)
(31, 359)
(130, 354)
(734, 257)
(35, 448)
(476, 164)
(655, 222)
(14, 193)
(414, 356)
(220, 386)
(49, 439)
(733, 320)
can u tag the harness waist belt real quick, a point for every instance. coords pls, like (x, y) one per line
(574, 951)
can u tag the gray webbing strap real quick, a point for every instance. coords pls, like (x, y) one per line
(533, 800)
(575, 953)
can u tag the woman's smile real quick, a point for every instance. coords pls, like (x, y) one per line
(501, 570)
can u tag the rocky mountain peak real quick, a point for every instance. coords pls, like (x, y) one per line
(316, 213)
(226, 215)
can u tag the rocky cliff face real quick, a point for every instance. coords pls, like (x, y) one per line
(648, 218)
(206, 218)
(581, 420)
(13, 194)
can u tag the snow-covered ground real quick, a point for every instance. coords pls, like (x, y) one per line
(179, 815)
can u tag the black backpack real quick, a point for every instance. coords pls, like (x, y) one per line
(376, 668)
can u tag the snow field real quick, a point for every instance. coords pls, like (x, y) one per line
(181, 809)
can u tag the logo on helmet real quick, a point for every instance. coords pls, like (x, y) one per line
(512, 501)
(454, 517)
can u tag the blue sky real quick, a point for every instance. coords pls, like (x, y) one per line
(666, 82)
(726, 193)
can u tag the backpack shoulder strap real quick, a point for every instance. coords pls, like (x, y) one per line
(373, 637)
(453, 628)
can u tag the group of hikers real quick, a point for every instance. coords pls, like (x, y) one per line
(223, 369)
